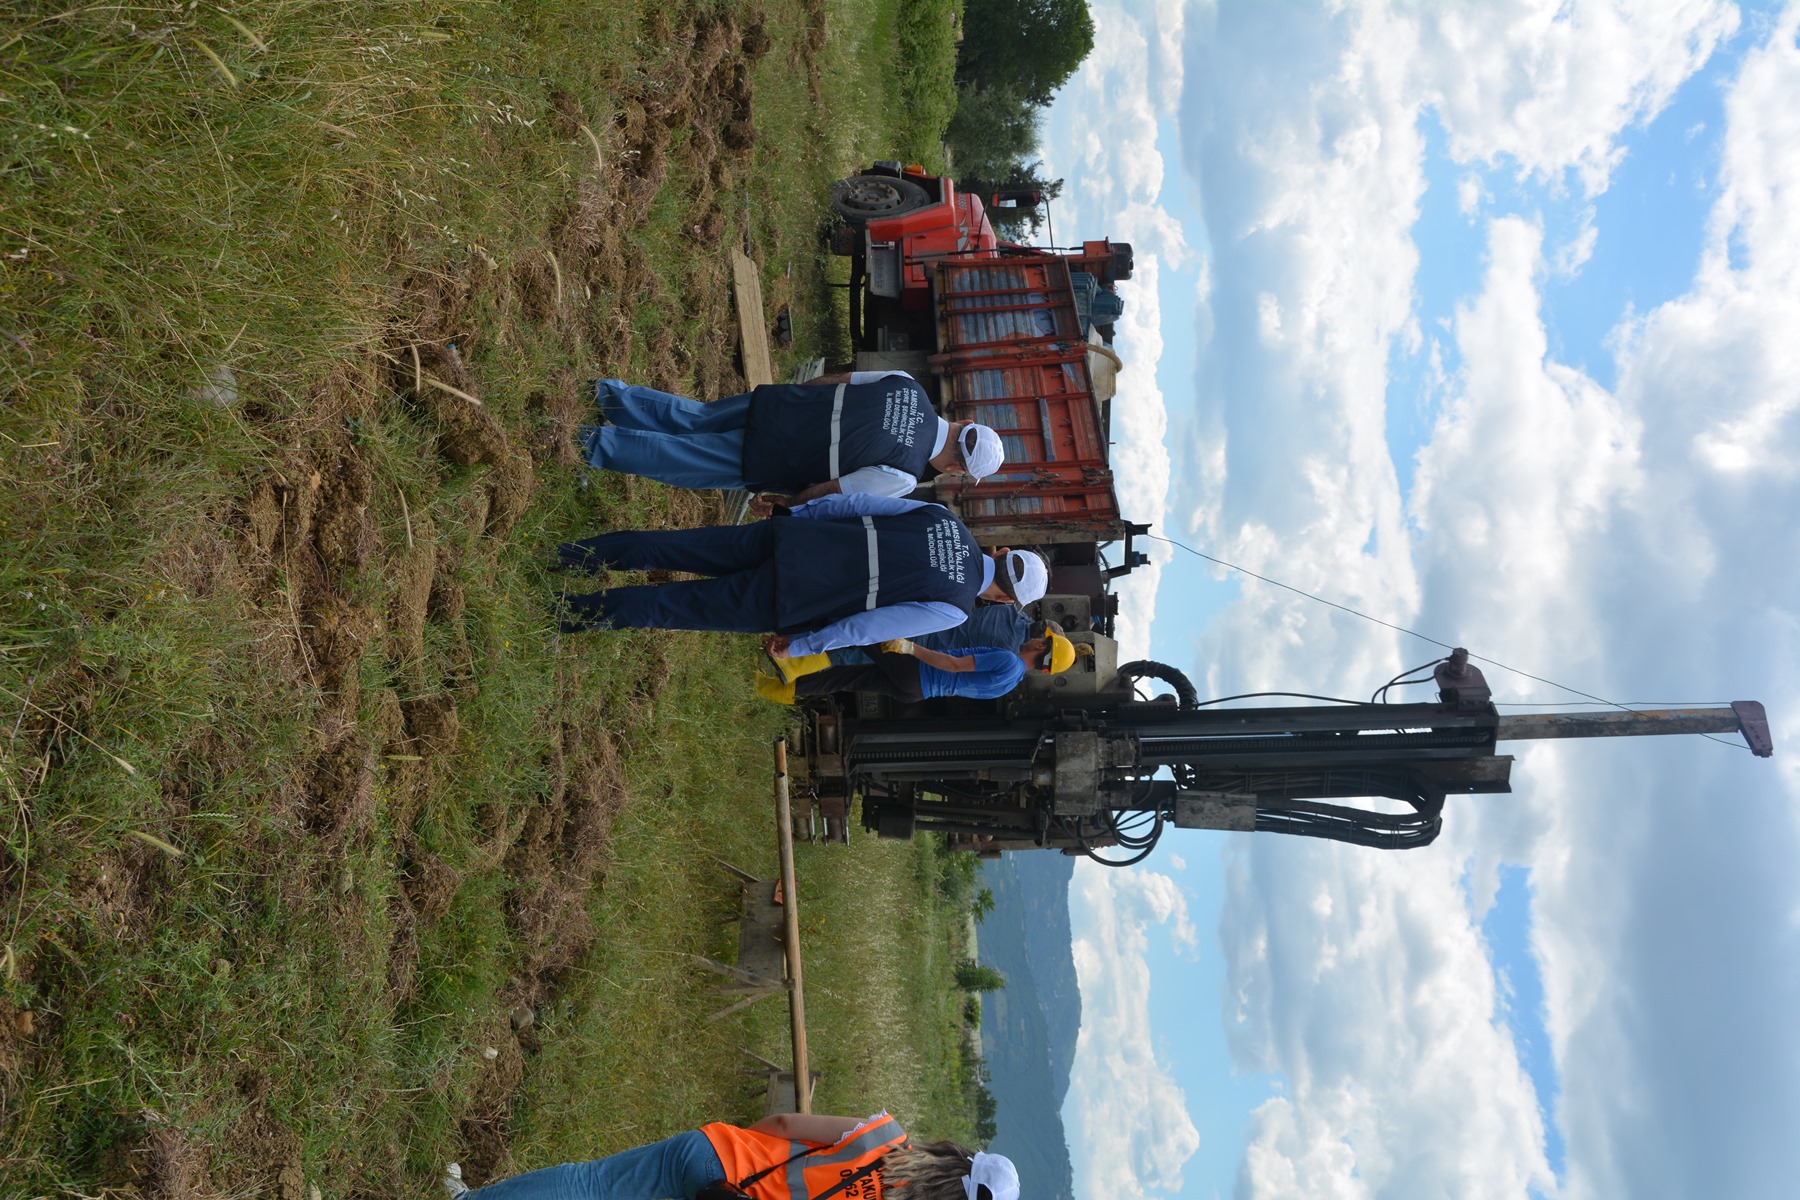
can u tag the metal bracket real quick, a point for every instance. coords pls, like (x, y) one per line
(1753, 723)
(1215, 810)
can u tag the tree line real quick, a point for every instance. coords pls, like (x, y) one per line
(1014, 55)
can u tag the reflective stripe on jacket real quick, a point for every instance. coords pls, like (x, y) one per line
(801, 434)
(834, 567)
(744, 1152)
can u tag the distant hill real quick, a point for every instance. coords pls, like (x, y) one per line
(1028, 1029)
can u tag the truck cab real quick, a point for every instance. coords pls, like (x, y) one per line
(895, 222)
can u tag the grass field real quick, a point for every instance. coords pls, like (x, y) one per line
(324, 862)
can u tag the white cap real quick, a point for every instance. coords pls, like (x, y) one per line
(982, 452)
(1030, 577)
(995, 1173)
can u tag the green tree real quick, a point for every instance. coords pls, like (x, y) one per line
(994, 130)
(971, 976)
(1027, 46)
(986, 1112)
(983, 904)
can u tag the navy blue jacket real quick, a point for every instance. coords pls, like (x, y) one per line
(822, 567)
(797, 435)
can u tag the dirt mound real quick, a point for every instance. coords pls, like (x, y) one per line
(435, 378)
(122, 889)
(339, 800)
(430, 885)
(432, 725)
(411, 570)
(260, 1151)
(557, 858)
(484, 1126)
(168, 1166)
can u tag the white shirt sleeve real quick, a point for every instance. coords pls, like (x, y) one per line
(872, 376)
(911, 619)
(879, 480)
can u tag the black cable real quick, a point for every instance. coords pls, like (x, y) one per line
(1293, 695)
(1148, 842)
(1379, 695)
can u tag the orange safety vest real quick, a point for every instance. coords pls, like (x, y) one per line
(744, 1152)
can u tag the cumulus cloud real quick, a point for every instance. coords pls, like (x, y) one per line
(1115, 174)
(1362, 977)
(1123, 1107)
(1547, 86)
(1623, 540)
(1677, 1056)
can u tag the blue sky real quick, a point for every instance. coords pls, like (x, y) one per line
(1481, 319)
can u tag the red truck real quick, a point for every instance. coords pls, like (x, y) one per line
(1013, 336)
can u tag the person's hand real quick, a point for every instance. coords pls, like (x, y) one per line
(776, 645)
(764, 505)
(898, 646)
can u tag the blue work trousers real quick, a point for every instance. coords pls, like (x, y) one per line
(740, 598)
(680, 442)
(674, 1169)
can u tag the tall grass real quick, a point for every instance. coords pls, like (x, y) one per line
(216, 971)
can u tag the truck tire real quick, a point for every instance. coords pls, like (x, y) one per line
(862, 198)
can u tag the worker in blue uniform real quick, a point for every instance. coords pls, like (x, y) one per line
(1000, 626)
(860, 431)
(907, 671)
(848, 569)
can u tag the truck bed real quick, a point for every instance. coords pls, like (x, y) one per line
(1012, 355)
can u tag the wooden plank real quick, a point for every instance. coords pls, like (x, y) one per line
(784, 841)
(753, 332)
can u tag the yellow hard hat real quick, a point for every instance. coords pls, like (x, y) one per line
(1062, 654)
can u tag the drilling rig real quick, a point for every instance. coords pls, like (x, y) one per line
(1085, 764)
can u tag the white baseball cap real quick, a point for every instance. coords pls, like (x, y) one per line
(982, 452)
(994, 1174)
(1030, 577)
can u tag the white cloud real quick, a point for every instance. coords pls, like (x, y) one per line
(1168, 27)
(1573, 254)
(1630, 541)
(1548, 86)
(1363, 978)
(1115, 174)
(1471, 193)
(1660, 934)
(1124, 1108)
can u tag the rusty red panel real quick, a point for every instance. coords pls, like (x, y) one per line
(1011, 356)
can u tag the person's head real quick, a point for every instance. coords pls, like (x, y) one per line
(1051, 654)
(1020, 577)
(946, 1171)
(974, 450)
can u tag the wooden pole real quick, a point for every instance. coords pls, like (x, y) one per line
(784, 840)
